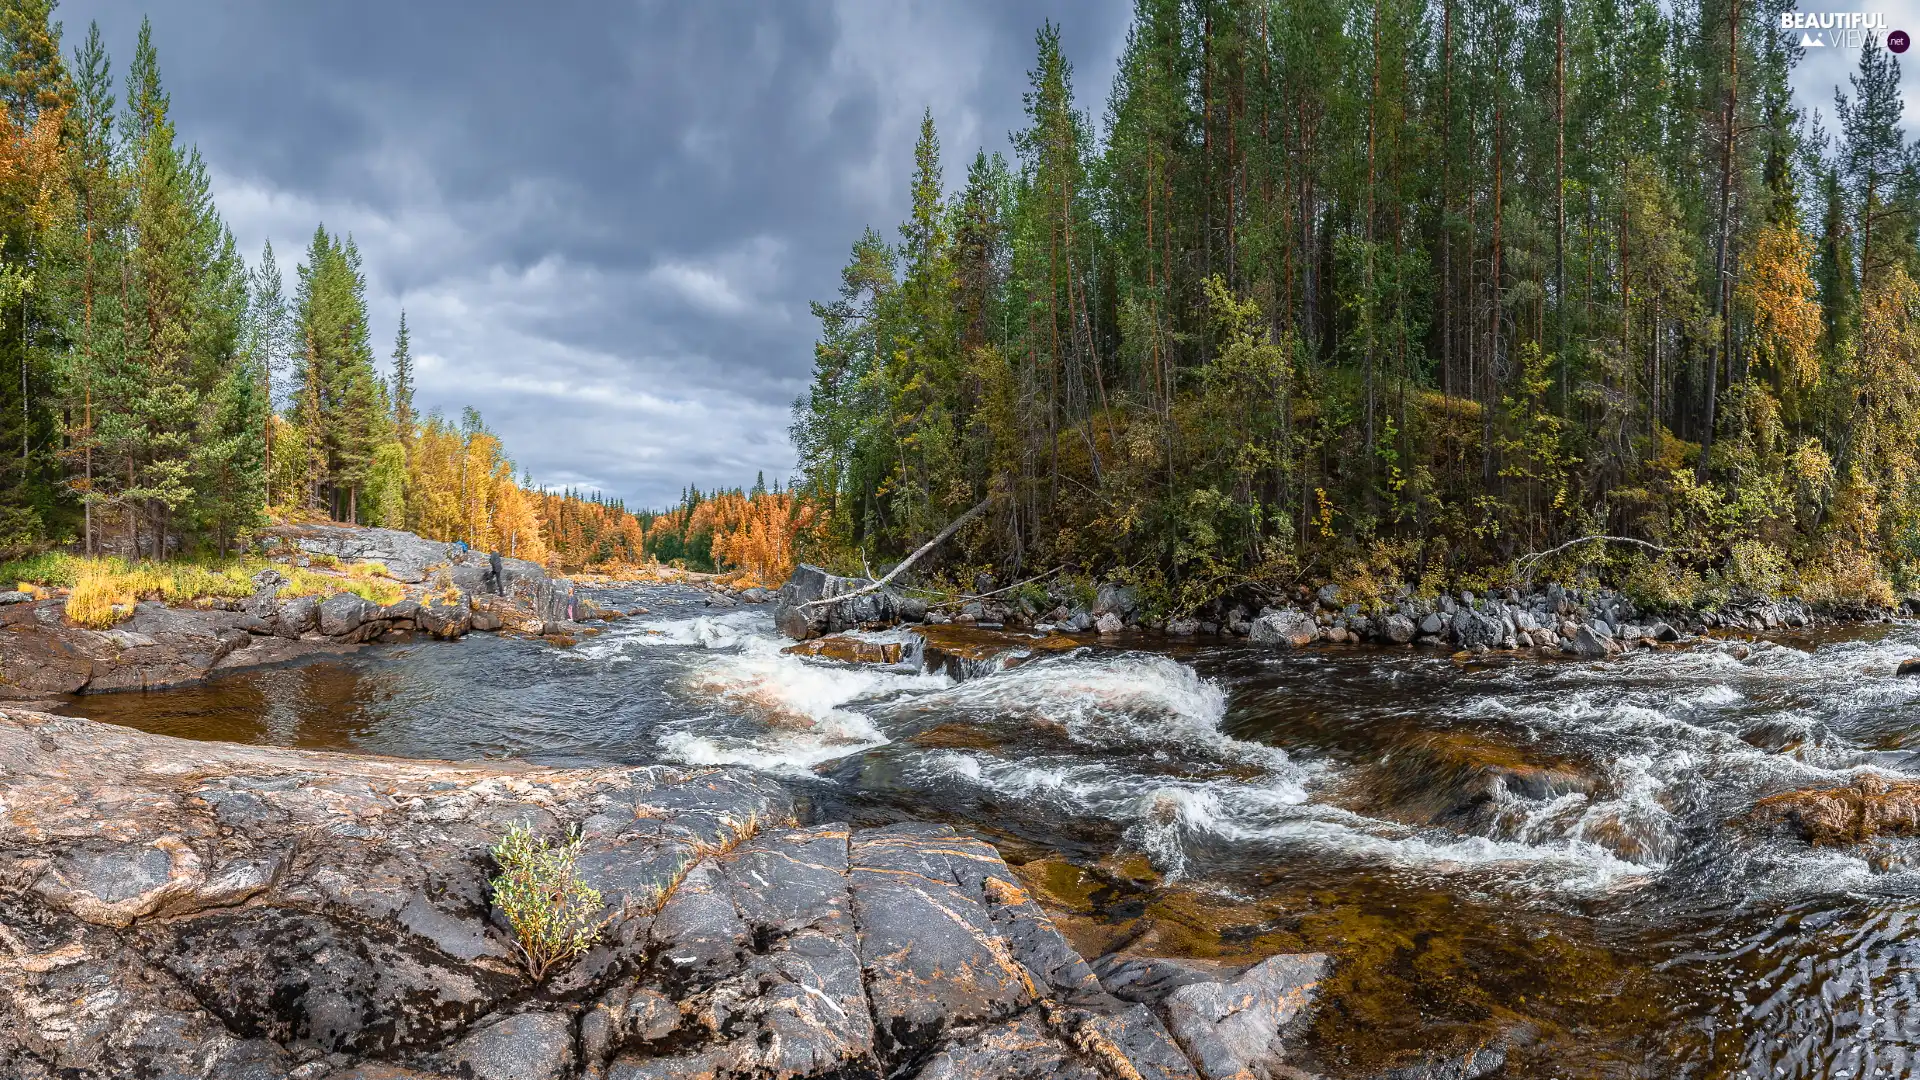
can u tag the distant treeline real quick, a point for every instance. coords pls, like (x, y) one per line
(1396, 291)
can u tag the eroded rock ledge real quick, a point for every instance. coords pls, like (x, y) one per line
(182, 909)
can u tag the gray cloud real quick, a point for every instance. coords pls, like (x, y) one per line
(604, 221)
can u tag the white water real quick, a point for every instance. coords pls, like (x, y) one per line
(1140, 741)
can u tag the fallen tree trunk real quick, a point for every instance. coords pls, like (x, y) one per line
(944, 534)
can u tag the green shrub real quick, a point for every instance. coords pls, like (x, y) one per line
(550, 909)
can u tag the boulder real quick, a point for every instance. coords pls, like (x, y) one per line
(300, 615)
(1434, 624)
(446, 617)
(797, 615)
(1587, 644)
(343, 614)
(1662, 631)
(1398, 629)
(1473, 630)
(14, 596)
(1109, 623)
(1122, 600)
(1283, 627)
(1907, 668)
(1185, 626)
(1231, 1030)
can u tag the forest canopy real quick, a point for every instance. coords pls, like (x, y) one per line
(1398, 291)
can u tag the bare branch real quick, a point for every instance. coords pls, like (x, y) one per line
(1526, 563)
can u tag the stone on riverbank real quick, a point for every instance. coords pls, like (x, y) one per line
(275, 912)
(799, 617)
(1283, 627)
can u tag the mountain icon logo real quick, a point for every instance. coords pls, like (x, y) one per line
(1808, 41)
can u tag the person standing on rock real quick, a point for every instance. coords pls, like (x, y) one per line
(493, 571)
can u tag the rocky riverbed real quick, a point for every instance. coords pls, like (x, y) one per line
(177, 909)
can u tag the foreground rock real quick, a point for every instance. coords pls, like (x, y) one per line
(184, 909)
(1872, 806)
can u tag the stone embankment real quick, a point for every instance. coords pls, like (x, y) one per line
(447, 593)
(187, 909)
(1550, 618)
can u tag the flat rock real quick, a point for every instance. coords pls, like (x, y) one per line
(1871, 806)
(530, 1046)
(268, 906)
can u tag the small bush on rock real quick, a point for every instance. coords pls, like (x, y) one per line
(550, 909)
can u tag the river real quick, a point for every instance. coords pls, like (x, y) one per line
(1553, 850)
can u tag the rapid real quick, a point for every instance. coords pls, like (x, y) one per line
(1553, 853)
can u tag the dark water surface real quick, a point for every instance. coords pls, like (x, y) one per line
(1552, 850)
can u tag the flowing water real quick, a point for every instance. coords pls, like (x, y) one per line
(1551, 852)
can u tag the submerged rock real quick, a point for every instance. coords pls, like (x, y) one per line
(1871, 806)
(847, 649)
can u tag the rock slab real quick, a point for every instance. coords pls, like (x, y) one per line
(188, 909)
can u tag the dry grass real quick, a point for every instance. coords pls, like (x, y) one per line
(367, 584)
(104, 590)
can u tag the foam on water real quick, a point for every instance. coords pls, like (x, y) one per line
(768, 709)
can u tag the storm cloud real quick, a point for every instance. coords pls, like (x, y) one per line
(604, 221)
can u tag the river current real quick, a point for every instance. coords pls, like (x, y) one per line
(1554, 853)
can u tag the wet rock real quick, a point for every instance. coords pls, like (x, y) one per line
(530, 1046)
(846, 649)
(1283, 627)
(1907, 668)
(1663, 632)
(1150, 979)
(1232, 1030)
(1183, 627)
(484, 620)
(1020, 1049)
(1872, 806)
(756, 595)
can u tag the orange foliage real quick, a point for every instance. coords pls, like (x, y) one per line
(755, 533)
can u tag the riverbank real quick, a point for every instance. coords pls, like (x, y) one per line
(1550, 618)
(281, 913)
(435, 589)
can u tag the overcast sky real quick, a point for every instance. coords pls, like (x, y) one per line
(605, 220)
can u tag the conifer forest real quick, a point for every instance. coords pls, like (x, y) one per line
(1399, 291)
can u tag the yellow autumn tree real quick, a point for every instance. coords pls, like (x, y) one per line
(1777, 290)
